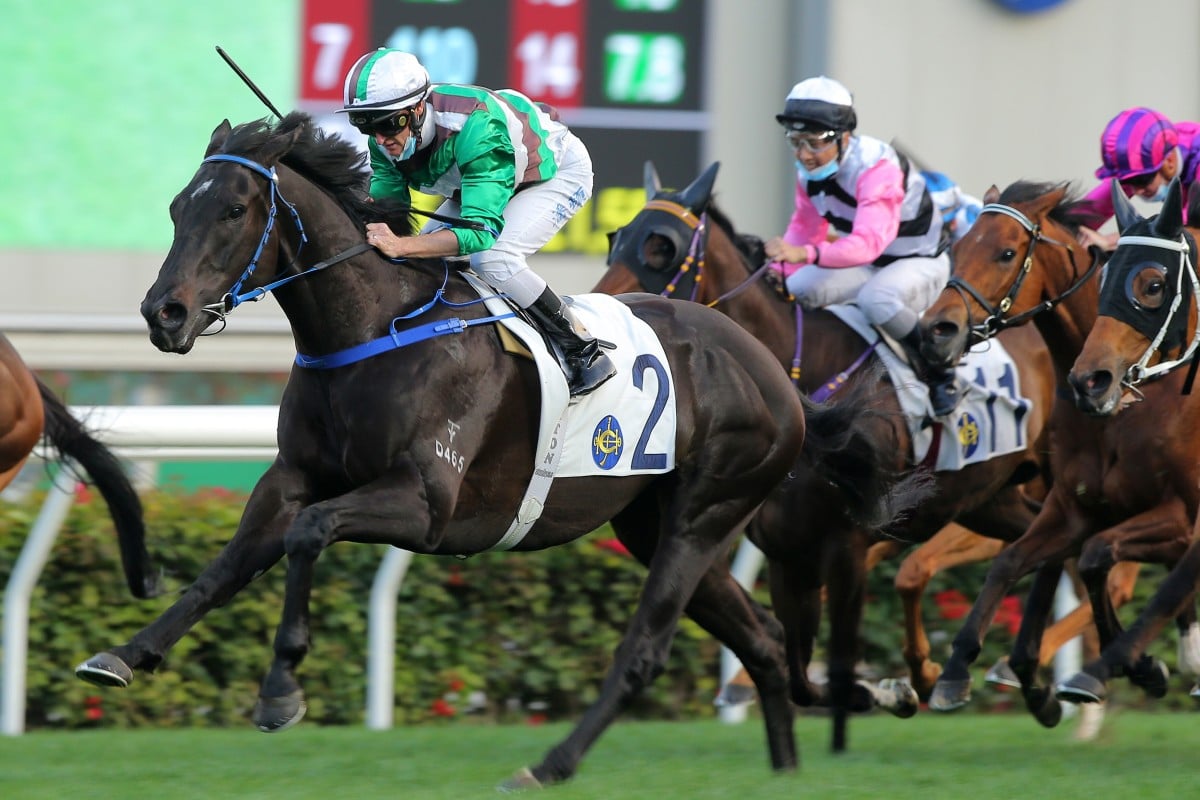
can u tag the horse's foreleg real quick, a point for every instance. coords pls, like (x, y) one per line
(387, 509)
(1039, 604)
(1050, 539)
(952, 546)
(254, 548)
(1170, 601)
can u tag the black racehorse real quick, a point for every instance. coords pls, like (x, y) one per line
(358, 443)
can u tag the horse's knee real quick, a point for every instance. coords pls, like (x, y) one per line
(1095, 561)
(306, 537)
(912, 577)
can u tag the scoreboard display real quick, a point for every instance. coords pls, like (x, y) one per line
(626, 76)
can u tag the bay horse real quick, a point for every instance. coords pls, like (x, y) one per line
(1136, 370)
(29, 411)
(682, 245)
(361, 444)
(1021, 263)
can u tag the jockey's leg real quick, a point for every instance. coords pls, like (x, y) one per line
(893, 300)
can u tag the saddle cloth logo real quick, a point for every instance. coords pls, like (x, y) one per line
(607, 443)
(991, 418)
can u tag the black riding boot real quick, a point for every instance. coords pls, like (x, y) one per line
(943, 391)
(583, 362)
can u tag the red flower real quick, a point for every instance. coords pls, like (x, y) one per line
(613, 545)
(83, 494)
(952, 604)
(457, 684)
(536, 718)
(94, 714)
(1009, 614)
(441, 708)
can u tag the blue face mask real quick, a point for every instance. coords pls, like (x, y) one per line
(1161, 194)
(819, 174)
(410, 147)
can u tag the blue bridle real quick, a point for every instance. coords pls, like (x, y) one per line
(394, 340)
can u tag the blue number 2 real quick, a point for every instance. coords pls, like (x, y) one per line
(642, 459)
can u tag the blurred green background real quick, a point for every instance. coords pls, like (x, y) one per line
(109, 107)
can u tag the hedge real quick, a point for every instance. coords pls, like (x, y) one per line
(496, 637)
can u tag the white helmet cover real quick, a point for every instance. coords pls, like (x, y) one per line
(385, 80)
(819, 103)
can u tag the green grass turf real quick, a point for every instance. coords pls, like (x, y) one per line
(976, 756)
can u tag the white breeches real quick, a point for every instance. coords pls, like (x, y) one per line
(531, 219)
(891, 297)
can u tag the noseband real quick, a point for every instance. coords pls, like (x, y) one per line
(997, 319)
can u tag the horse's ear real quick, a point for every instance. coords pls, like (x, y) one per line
(219, 135)
(650, 179)
(1170, 217)
(1126, 214)
(1193, 206)
(992, 195)
(696, 195)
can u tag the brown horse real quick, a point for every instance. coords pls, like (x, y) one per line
(1135, 371)
(1106, 503)
(29, 410)
(681, 245)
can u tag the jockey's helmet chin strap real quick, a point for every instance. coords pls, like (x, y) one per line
(1140, 372)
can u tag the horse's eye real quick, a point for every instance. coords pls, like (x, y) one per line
(237, 211)
(1147, 287)
(1008, 255)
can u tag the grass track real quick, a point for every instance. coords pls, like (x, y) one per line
(973, 756)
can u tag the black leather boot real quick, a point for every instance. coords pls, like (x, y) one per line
(578, 352)
(943, 391)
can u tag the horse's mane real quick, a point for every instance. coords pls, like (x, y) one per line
(749, 245)
(1066, 212)
(325, 159)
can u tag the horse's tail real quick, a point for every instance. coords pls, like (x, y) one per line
(857, 459)
(74, 442)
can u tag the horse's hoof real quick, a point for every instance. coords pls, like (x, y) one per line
(897, 697)
(950, 695)
(733, 695)
(1081, 688)
(275, 714)
(105, 669)
(1002, 674)
(925, 679)
(1151, 675)
(521, 780)
(1046, 708)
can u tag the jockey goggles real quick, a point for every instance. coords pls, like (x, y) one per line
(1139, 181)
(815, 143)
(388, 124)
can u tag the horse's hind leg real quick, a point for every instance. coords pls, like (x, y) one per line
(732, 617)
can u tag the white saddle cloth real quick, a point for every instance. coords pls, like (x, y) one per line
(991, 418)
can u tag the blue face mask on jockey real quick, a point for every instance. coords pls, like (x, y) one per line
(1161, 194)
(410, 147)
(821, 173)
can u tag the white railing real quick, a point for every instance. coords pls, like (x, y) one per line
(178, 433)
